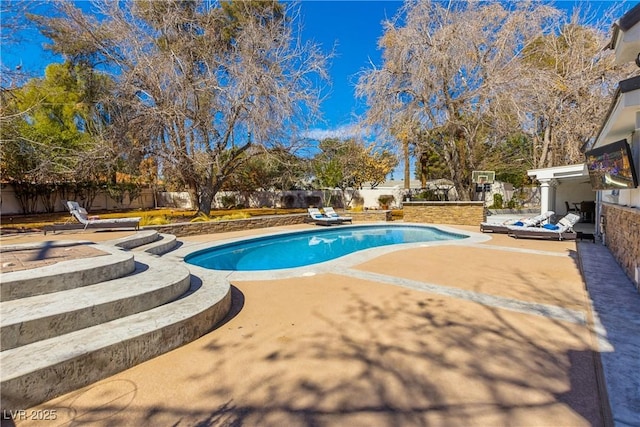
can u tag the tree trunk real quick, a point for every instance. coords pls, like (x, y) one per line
(205, 198)
(546, 145)
(407, 165)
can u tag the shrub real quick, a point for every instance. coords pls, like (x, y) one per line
(386, 200)
(154, 220)
(427, 196)
(239, 215)
(201, 218)
(498, 202)
(228, 201)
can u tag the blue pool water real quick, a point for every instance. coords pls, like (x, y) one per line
(310, 247)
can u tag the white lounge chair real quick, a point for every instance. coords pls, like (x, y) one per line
(318, 218)
(535, 221)
(91, 222)
(331, 213)
(563, 230)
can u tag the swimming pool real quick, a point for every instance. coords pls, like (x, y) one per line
(304, 248)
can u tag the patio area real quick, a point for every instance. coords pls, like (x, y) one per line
(496, 333)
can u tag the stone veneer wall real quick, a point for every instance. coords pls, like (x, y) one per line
(195, 228)
(369, 215)
(460, 213)
(209, 227)
(622, 237)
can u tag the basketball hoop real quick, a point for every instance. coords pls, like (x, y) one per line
(483, 181)
(483, 177)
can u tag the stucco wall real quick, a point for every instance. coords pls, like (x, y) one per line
(461, 213)
(9, 204)
(572, 192)
(622, 237)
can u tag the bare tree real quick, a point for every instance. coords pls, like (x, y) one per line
(454, 69)
(571, 81)
(199, 82)
(15, 28)
(475, 74)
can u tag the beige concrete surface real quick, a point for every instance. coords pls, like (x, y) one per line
(339, 349)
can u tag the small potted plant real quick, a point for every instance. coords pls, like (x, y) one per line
(385, 200)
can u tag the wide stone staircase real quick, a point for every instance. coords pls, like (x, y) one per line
(72, 323)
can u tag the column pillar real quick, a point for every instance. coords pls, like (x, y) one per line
(547, 195)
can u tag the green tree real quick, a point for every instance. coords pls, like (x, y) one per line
(194, 78)
(268, 170)
(349, 164)
(429, 164)
(510, 159)
(47, 138)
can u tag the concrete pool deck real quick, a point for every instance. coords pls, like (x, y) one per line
(501, 332)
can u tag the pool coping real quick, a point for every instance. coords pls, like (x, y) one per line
(342, 262)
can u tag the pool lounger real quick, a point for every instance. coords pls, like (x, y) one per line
(535, 221)
(331, 213)
(318, 218)
(493, 228)
(561, 231)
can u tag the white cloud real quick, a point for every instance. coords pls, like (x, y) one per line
(341, 132)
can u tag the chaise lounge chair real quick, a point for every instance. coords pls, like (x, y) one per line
(563, 230)
(91, 222)
(331, 213)
(318, 218)
(535, 221)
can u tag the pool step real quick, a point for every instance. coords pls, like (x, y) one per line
(41, 317)
(163, 244)
(132, 241)
(73, 335)
(66, 275)
(149, 241)
(42, 370)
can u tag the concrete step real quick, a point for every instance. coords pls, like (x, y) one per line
(140, 238)
(155, 282)
(163, 244)
(66, 275)
(42, 370)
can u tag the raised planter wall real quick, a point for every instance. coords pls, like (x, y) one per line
(369, 215)
(622, 237)
(209, 227)
(195, 228)
(459, 213)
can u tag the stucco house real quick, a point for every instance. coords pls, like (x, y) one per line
(618, 209)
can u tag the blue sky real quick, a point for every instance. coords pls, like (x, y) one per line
(352, 27)
(355, 27)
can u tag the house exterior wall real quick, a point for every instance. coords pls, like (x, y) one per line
(621, 234)
(572, 192)
(620, 211)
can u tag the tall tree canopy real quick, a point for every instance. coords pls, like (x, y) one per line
(469, 74)
(573, 81)
(195, 78)
(54, 132)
